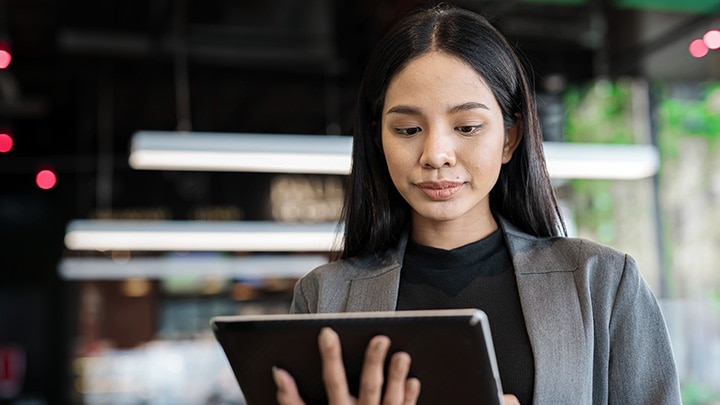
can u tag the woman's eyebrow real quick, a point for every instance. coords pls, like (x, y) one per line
(404, 109)
(470, 105)
(409, 110)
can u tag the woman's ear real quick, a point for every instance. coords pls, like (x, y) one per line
(513, 136)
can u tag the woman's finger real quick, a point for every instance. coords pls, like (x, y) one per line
(333, 369)
(373, 371)
(397, 378)
(287, 391)
(412, 391)
(509, 399)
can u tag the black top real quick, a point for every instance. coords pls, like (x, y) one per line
(478, 275)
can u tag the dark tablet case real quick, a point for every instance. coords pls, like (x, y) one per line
(452, 352)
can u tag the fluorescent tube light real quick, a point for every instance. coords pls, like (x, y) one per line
(236, 236)
(96, 268)
(566, 160)
(205, 151)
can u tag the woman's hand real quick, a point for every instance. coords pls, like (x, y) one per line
(399, 388)
(509, 399)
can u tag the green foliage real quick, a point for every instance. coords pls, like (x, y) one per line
(698, 394)
(690, 110)
(685, 6)
(599, 112)
(693, 112)
(593, 206)
(714, 297)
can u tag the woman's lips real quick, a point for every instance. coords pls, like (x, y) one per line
(439, 190)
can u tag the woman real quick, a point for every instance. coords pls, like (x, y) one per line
(449, 205)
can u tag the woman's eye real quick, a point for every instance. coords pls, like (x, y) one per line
(468, 129)
(407, 131)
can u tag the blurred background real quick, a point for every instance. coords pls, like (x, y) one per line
(110, 270)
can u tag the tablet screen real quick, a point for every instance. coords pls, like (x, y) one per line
(451, 350)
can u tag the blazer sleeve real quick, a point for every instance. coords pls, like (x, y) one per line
(642, 368)
(303, 294)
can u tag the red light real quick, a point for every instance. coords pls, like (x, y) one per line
(712, 39)
(6, 143)
(698, 48)
(45, 179)
(5, 58)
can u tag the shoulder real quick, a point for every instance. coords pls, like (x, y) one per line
(593, 267)
(585, 252)
(326, 288)
(604, 277)
(349, 269)
(559, 253)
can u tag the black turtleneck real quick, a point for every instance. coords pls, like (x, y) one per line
(478, 275)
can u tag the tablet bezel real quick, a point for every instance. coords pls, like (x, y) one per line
(439, 341)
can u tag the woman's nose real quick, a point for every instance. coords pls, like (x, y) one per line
(438, 151)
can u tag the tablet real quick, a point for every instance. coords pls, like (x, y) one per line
(451, 350)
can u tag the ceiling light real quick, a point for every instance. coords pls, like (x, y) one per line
(274, 153)
(567, 160)
(191, 265)
(231, 236)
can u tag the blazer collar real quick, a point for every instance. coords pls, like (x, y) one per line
(381, 281)
(530, 254)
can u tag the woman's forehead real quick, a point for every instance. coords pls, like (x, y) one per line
(437, 75)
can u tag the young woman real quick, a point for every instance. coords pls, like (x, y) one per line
(449, 205)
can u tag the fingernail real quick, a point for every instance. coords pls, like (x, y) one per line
(401, 361)
(380, 345)
(414, 384)
(326, 337)
(276, 377)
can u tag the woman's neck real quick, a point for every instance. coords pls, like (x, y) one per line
(451, 234)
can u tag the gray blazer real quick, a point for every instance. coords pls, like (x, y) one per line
(597, 333)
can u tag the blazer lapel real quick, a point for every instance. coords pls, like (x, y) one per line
(560, 337)
(378, 292)
(376, 289)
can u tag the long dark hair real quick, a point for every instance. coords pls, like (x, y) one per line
(374, 214)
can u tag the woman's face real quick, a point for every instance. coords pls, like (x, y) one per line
(444, 140)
